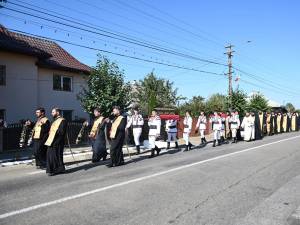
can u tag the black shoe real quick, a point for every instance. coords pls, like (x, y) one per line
(219, 142)
(176, 143)
(222, 140)
(214, 144)
(168, 145)
(138, 151)
(110, 165)
(104, 158)
(186, 148)
(152, 153)
(157, 151)
(204, 139)
(120, 164)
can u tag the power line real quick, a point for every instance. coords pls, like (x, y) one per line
(41, 25)
(265, 81)
(179, 20)
(119, 25)
(126, 4)
(108, 34)
(114, 53)
(262, 87)
(281, 85)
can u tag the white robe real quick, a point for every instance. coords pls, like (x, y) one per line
(249, 129)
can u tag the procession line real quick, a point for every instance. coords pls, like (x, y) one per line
(72, 197)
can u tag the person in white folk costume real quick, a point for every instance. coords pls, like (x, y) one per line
(187, 123)
(216, 122)
(223, 128)
(154, 124)
(201, 126)
(248, 126)
(171, 129)
(137, 122)
(235, 123)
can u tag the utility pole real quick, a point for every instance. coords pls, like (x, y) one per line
(229, 53)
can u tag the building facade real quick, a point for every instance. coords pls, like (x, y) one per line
(38, 73)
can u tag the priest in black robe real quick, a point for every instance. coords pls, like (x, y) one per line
(257, 126)
(98, 137)
(117, 137)
(39, 136)
(289, 122)
(56, 143)
(298, 121)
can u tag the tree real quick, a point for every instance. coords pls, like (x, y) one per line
(195, 106)
(152, 92)
(105, 88)
(216, 102)
(258, 103)
(238, 101)
(290, 107)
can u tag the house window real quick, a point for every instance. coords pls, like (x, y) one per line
(62, 83)
(67, 114)
(2, 75)
(2, 114)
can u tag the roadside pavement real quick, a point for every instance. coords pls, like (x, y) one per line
(25, 156)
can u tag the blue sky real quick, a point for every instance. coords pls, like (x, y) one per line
(194, 27)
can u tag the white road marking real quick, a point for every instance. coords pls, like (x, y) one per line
(36, 172)
(72, 197)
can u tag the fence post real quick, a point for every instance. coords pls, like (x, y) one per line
(1, 139)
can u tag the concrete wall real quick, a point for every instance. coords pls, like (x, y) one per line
(19, 96)
(49, 98)
(28, 87)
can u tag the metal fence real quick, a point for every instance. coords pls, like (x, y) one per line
(10, 136)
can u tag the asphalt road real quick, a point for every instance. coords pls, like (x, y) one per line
(235, 184)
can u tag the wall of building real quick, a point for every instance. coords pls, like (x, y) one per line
(49, 98)
(19, 96)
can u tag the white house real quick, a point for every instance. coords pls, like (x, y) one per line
(38, 73)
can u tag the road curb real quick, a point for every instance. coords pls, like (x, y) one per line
(294, 218)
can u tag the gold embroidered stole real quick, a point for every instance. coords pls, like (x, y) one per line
(284, 125)
(269, 124)
(115, 126)
(54, 127)
(261, 120)
(38, 127)
(293, 123)
(278, 123)
(96, 123)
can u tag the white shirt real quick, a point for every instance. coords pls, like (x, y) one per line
(154, 124)
(187, 122)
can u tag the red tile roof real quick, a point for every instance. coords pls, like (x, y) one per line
(50, 54)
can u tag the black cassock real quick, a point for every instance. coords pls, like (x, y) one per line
(116, 145)
(99, 144)
(39, 148)
(274, 121)
(288, 123)
(55, 152)
(257, 127)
